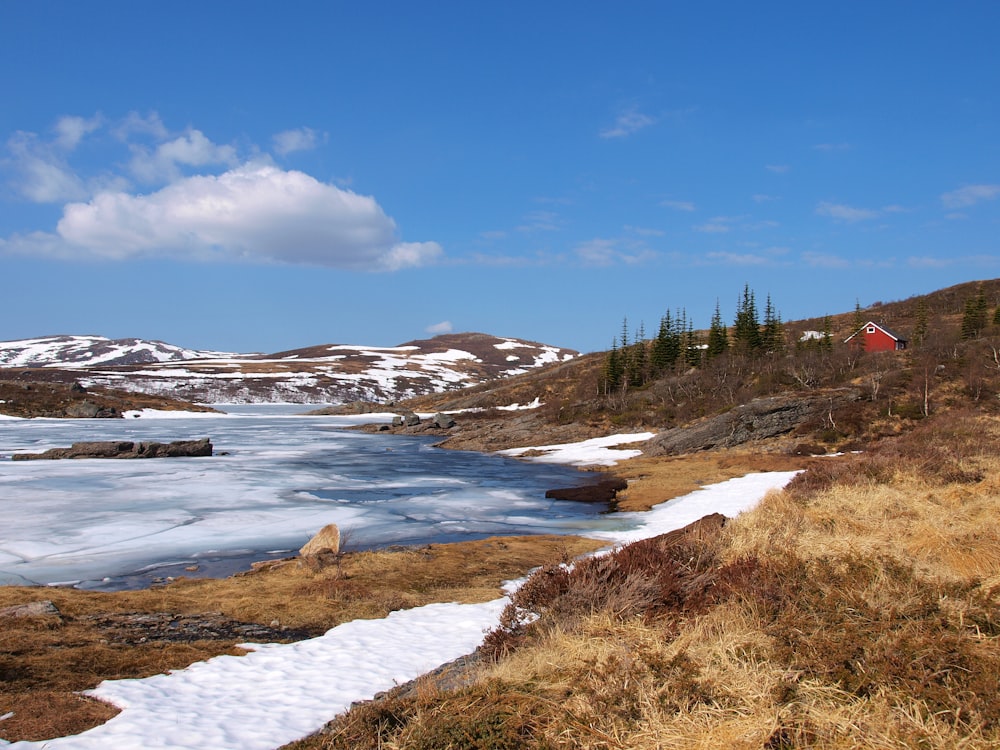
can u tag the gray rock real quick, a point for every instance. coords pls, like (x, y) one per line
(760, 419)
(443, 421)
(124, 449)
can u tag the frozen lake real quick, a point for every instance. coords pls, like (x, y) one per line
(120, 523)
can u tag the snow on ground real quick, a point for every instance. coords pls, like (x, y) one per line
(601, 451)
(281, 692)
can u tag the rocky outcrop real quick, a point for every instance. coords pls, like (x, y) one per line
(761, 419)
(124, 449)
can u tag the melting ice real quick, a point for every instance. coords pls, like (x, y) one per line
(275, 480)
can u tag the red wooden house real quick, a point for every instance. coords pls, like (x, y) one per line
(876, 338)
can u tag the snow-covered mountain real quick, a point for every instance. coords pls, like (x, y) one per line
(87, 351)
(329, 373)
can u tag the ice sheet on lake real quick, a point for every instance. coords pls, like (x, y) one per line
(275, 480)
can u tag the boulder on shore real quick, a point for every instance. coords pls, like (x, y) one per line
(603, 491)
(327, 539)
(124, 449)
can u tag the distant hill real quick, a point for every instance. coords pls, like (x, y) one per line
(326, 373)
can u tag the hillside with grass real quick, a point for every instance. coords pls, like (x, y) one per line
(856, 609)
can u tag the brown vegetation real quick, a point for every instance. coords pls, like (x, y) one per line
(859, 608)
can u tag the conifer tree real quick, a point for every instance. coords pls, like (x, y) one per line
(974, 317)
(920, 325)
(613, 369)
(858, 326)
(718, 336)
(826, 343)
(692, 345)
(746, 328)
(773, 335)
(637, 358)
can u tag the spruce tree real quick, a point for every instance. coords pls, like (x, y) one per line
(773, 336)
(746, 327)
(858, 324)
(692, 345)
(613, 369)
(718, 336)
(920, 326)
(974, 317)
(826, 343)
(637, 358)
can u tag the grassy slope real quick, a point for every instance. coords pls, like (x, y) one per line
(856, 609)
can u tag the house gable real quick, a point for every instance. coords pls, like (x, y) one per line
(876, 338)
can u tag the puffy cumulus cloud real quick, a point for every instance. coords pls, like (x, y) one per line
(969, 195)
(192, 149)
(438, 328)
(300, 139)
(256, 212)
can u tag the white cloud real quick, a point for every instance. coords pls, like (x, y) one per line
(540, 221)
(43, 174)
(679, 205)
(134, 123)
(845, 212)
(777, 168)
(832, 147)
(70, 130)
(628, 123)
(300, 139)
(193, 149)
(738, 259)
(256, 212)
(763, 198)
(438, 328)
(969, 195)
(718, 224)
(607, 252)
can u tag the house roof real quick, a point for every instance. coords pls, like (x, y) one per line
(891, 334)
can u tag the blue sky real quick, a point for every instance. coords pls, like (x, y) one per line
(252, 176)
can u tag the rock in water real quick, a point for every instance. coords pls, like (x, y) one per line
(124, 449)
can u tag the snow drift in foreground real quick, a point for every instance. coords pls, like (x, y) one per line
(280, 693)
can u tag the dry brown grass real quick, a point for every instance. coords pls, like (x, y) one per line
(857, 610)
